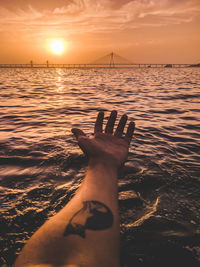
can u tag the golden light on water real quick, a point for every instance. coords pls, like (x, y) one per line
(57, 46)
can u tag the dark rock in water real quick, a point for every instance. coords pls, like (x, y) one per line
(160, 226)
(129, 199)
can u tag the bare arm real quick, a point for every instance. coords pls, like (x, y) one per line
(86, 231)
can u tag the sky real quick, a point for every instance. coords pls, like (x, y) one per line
(143, 31)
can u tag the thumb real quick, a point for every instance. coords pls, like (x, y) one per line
(77, 132)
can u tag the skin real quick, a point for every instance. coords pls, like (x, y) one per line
(58, 242)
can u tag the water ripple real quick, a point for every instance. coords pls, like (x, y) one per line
(41, 166)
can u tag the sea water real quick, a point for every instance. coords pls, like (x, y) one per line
(41, 165)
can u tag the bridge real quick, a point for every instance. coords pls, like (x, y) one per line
(111, 60)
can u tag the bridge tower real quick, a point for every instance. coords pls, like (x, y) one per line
(111, 60)
(112, 64)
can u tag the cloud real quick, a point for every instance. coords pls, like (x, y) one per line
(93, 16)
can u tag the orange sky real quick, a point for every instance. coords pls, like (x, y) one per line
(144, 31)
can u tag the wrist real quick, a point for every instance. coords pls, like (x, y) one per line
(107, 164)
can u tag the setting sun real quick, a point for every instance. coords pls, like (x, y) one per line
(57, 46)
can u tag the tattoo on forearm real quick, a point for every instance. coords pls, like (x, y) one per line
(94, 215)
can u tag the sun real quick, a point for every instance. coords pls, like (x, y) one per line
(57, 46)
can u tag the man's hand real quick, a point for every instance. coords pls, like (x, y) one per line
(106, 148)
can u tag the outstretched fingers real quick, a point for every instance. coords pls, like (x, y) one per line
(109, 127)
(130, 131)
(121, 125)
(99, 123)
(77, 132)
(111, 122)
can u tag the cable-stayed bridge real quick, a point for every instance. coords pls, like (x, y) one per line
(111, 60)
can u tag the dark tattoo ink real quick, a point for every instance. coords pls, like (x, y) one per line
(94, 215)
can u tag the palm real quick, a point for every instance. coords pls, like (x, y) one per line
(106, 146)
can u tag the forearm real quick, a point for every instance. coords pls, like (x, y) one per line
(100, 189)
(100, 183)
(95, 242)
(98, 194)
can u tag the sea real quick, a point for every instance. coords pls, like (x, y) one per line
(41, 166)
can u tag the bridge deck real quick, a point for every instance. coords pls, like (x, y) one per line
(96, 65)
